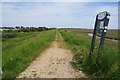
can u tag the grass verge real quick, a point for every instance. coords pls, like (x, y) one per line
(80, 46)
(19, 52)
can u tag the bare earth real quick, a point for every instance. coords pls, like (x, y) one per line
(52, 63)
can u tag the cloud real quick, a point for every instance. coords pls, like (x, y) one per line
(56, 14)
(59, 0)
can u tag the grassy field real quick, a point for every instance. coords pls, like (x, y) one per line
(20, 48)
(79, 42)
(111, 34)
(23, 48)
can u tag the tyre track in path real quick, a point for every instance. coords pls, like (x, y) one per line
(54, 62)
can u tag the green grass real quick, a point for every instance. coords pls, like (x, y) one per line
(111, 34)
(18, 52)
(79, 43)
(11, 35)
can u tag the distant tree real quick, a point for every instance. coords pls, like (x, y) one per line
(22, 27)
(27, 27)
(17, 27)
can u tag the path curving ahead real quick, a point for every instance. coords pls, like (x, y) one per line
(52, 63)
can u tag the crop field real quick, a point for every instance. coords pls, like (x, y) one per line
(79, 42)
(19, 49)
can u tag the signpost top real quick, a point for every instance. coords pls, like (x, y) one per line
(102, 19)
(103, 15)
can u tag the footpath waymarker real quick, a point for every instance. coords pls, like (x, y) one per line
(101, 25)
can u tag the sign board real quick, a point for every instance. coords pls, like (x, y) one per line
(101, 18)
(101, 25)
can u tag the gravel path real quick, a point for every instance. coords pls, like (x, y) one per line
(52, 63)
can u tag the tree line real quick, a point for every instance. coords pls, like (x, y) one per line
(25, 29)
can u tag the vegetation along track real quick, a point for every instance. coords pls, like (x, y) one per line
(80, 47)
(18, 53)
(55, 61)
(52, 63)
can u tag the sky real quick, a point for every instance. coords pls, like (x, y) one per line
(56, 13)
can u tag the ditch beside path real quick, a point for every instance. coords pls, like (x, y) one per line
(91, 34)
(52, 63)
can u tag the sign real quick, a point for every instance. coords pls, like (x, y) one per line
(101, 21)
(101, 25)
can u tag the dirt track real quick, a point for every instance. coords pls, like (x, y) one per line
(52, 63)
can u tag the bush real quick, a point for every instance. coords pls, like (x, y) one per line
(9, 35)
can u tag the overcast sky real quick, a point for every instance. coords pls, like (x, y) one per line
(70, 13)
